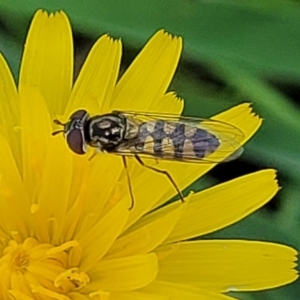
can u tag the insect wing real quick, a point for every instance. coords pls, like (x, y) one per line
(202, 140)
(230, 138)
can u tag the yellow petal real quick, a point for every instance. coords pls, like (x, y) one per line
(79, 296)
(224, 204)
(35, 133)
(19, 295)
(98, 176)
(228, 265)
(102, 235)
(14, 214)
(137, 296)
(47, 62)
(94, 86)
(148, 77)
(94, 184)
(146, 235)
(182, 292)
(124, 274)
(9, 110)
(54, 188)
(169, 103)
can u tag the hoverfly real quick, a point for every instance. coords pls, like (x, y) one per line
(158, 136)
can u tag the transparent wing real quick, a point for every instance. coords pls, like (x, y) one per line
(199, 140)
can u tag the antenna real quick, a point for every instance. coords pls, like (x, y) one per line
(57, 132)
(57, 122)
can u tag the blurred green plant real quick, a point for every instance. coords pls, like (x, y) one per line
(235, 51)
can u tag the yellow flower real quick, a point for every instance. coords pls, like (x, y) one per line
(66, 231)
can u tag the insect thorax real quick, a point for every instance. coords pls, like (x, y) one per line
(107, 132)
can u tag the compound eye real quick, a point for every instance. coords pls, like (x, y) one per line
(79, 114)
(75, 141)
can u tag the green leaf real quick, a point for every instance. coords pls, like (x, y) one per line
(260, 35)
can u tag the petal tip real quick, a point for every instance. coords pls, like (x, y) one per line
(248, 109)
(170, 36)
(110, 39)
(40, 15)
(270, 176)
(175, 96)
(43, 15)
(61, 15)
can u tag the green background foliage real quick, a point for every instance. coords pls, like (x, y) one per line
(234, 51)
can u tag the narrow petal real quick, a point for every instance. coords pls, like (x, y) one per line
(148, 77)
(146, 235)
(137, 296)
(101, 171)
(224, 204)
(9, 110)
(94, 185)
(35, 133)
(47, 62)
(79, 296)
(97, 78)
(242, 117)
(125, 274)
(102, 235)
(228, 265)
(169, 103)
(182, 292)
(14, 214)
(182, 173)
(54, 189)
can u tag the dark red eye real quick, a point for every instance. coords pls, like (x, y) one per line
(75, 140)
(79, 114)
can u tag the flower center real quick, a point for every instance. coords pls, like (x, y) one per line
(78, 279)
(31, 269)
(21, 262)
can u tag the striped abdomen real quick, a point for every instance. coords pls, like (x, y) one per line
(175, 140)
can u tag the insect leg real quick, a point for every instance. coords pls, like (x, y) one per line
(162, 172)
(129, 182)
